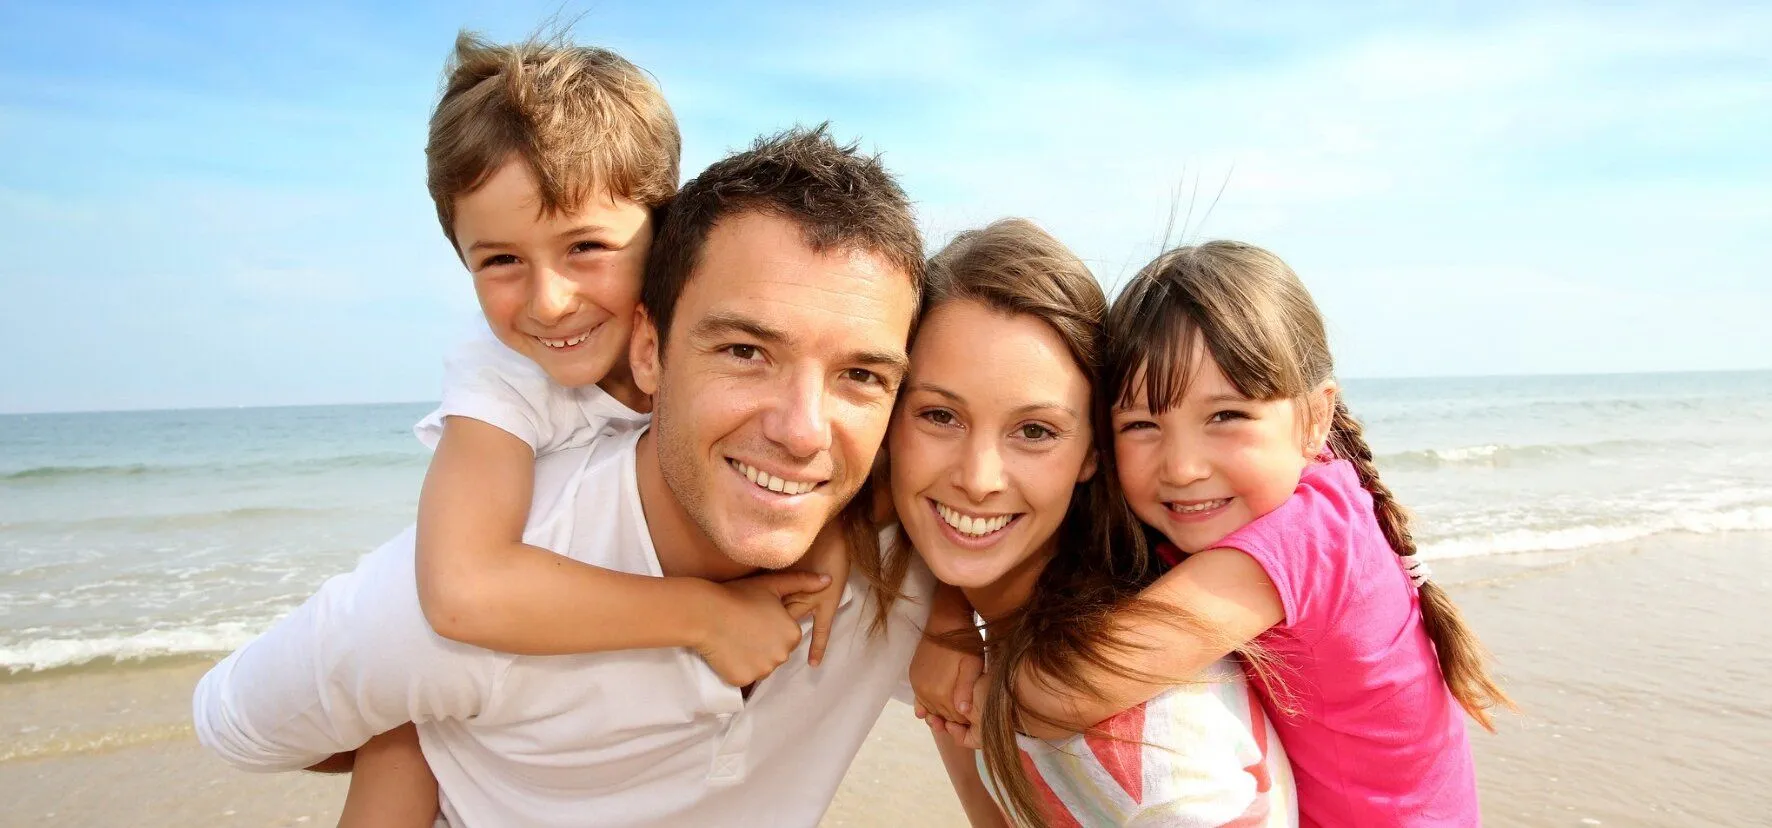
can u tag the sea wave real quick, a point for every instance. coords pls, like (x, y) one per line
(299, 465)
(1493, 454)
(1514, 541)
(45, 654)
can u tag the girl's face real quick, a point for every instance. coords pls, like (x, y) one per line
(990, 438)
(1218, 460)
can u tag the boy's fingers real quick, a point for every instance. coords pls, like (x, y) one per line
(822, 615)
(784, 584)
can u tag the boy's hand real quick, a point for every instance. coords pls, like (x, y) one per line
(749, 632)
(828, 556)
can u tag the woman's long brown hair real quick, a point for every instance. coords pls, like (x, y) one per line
(1261, 327)
(1100, 560)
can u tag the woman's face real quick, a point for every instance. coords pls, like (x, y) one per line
(990, 438)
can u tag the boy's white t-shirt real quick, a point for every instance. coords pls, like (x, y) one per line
(487, 381)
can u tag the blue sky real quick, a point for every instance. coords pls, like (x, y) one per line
(224, 205)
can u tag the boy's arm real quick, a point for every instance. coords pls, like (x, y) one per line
(962, 767)
(480, 584)
(829, 556)
(1224, 590)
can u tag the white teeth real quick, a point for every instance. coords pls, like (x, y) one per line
(565, 343)
(771, 482)
(969, 525)
(1199, 507)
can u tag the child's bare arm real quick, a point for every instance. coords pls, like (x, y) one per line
(391, 785)
(1225, 591)
(829, 556)
(480, 584)
(962, 767)
(941, 676)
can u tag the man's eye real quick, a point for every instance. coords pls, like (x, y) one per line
(744, 352)
(863, 375)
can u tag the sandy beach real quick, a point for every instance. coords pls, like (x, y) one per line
(1640, 668)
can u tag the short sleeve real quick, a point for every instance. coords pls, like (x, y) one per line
(485, 380)
(1303, 546)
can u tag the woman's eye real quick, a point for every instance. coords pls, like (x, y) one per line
(1035, 431)
(938, 416)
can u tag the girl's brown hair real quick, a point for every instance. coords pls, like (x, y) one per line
(1101, 560)
(1259, 324)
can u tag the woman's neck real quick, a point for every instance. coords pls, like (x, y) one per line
(1008, 594)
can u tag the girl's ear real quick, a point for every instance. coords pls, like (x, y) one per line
(643, 353)
(1321, 402)
(1088, 468)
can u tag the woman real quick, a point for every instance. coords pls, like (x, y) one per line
(994, 476)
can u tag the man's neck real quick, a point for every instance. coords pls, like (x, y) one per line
(683, 549)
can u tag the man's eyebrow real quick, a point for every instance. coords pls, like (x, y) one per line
(715, 324)
(896, 361)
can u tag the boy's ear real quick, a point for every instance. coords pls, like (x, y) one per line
(643, 355)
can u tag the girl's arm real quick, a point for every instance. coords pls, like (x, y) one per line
(962, 766)
(1224, 590)
(478, 583)
(391, 785)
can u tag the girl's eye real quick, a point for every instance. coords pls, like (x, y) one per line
(1227, 416)
(746, 353)
(938, 416)
(589, 246)
(1136, 425)
(1035, 431)
(497, 260)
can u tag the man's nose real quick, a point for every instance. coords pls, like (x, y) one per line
(799, 421)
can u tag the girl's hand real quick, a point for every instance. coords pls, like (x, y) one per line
(747, 631)
(829, 556)
(943, 678)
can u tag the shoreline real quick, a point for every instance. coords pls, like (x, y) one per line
(1628, 660)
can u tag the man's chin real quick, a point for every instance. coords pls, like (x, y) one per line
(771, 551)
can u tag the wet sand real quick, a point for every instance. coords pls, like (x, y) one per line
(1641, 669)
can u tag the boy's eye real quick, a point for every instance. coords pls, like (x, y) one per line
(497, 259)
(1035, 431)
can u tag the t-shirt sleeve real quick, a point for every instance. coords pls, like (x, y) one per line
(1296, 544)
(486, 381)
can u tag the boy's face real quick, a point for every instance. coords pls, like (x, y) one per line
(558, 289)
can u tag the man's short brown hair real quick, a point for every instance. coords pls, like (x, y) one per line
(585, 120)
(840, 198)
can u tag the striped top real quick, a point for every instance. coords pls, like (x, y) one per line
(1200, 755)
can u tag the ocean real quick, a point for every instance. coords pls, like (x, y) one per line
(133, 538)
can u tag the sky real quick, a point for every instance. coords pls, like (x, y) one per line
(224, 205)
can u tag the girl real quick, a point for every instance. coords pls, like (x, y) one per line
(1231, 443)
(993, 476)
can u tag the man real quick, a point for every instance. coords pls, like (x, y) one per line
(778, 302)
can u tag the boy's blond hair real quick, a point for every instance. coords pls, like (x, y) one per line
(585, 120)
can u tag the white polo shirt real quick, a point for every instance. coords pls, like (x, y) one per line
(632, 738)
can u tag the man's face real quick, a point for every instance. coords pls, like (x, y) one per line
(775, 387)
(557, 289)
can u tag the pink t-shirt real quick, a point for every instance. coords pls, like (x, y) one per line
(1375, 737)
